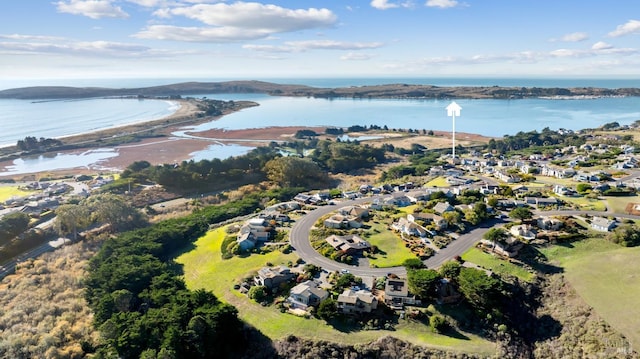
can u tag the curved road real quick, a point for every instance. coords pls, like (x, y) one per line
(299, 238)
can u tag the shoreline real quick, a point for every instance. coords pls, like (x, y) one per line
(155, 142)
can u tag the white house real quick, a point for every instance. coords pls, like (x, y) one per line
(306, 294)
(360, 301)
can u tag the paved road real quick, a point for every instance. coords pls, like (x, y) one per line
(299, 236)
(10, 266)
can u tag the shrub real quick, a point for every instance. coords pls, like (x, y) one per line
(437, 323)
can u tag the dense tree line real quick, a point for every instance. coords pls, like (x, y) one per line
(342, 157)
(544, 140)
(142, 307)
(31, 143)
(12, 225)
(205, 175)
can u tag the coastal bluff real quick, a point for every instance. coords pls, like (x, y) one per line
(399, 91)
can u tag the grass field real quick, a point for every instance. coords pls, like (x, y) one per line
(607, 277)
(437, 182)
(618, 204)
(394, 251)
(6, 192)
(587, 204)
(496, 265)
(205, 268)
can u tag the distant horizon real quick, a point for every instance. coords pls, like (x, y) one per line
(370, 80)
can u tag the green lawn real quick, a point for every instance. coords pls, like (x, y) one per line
(204, 268)
(554, 181)
(437, 182)
(6, 192)
(618, 204)
(587, 204)
(607, 277)
(496, 265)
(388, 242)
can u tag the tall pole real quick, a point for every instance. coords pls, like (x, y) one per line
(453, 110)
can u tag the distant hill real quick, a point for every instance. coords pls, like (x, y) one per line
(376, 91)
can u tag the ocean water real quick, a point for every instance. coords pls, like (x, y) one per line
(21, 118)
(54, 119)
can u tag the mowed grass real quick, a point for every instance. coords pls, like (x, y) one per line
(204, 268)
(6, 192)
(587, 204)
(618, 204)
(497, 265)
(393, 250)
(607, 277)
(438, 182)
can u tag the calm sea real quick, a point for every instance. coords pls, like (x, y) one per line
(21, 118)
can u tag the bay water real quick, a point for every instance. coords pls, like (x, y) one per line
(21, 118)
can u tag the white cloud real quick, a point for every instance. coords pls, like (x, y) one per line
(598, 49)
(566, 53)
(601, 45)
(631, 27)
(200, 34)
(302, 46)
(264, 17)
(383, 4)
(573, 37)
(95, 9)
(21, 37)
(239, 21)
(442, 3)
(269, 48)
(38, 45)
(147, 3)
(333, 45)
(355, 56)
(387, 4)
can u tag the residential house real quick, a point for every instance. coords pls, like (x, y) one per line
(418, 196)
(354, 211)
(253, 231)
(541, 202)
(427, 218)
(410, 228)
(356, 301)
(523, 230)
(458, 181)
(602, 224)
(442, 207)
(272, 277)
(549, 223)
(284, 207)
(509, 248)
(507, 177)
(347, 244)
(558, 172)
(401, 201)
(306, 294)
(396, 292)
(447, 293)
(339, 221)
(302, 198)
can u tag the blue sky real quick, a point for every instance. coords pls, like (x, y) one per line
(332, 38)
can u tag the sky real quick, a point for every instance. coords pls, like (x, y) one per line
(79, 39)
